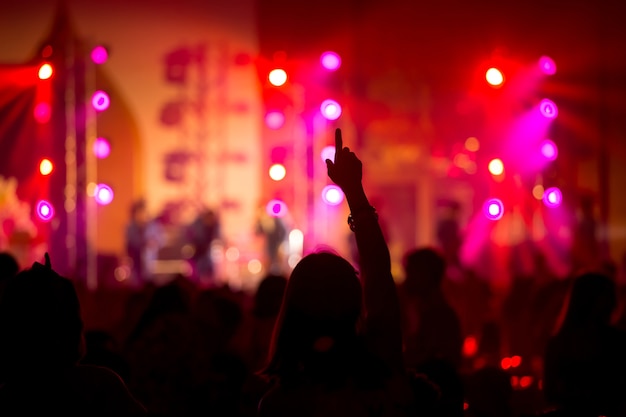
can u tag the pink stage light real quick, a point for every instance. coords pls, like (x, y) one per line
(274, 119)
(103, 194)
(330, 60)
(99, 55)
(549, 150)
(547, 65)
(332, 195)
(552, 197)
(45, 211)
(493, 209)
(101, 148)
(330, 109)
(328, 152)
(100, 100)
(276, 208)
(42, 112)
(548, 108)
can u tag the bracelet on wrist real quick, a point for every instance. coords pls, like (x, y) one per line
(355, 215)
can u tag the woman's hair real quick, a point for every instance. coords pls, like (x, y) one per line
(40, 322)
(317, 323)
(592, 300)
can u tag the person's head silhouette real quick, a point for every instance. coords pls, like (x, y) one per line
(317, 323)
(424, 269)
(592, 301)
(40, 322)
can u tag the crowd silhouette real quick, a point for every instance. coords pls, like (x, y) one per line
(331, 339)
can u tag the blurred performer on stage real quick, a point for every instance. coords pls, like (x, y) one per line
(135, 237)
(201, 233)
(274, 232)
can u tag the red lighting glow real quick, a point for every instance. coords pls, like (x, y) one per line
(516, 361)
(470, 346)
(42, 112)
(45, 71)
(505, 363)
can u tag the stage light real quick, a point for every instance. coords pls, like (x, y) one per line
(496, 167)
(255, 266)
(42, 112)
(277, 172)
(330, 60)
(472, 144)
(45, 71)
(547, 65)
(505, 363)
(549, 150)
(101, 148)
(277, 77)
(45, 167)
(274, 119)
(100, 100)
(328, 152)
(103, 194)
(493, 209)
(330, 109)
(470, 346)
(552, 197)
(548, 108)
(276, 208)
(99, 55)
(45, 211)
(538, 191)
(516, 361)
(494, 77)
(332, 195)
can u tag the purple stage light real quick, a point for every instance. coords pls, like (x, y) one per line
(100, 100)
(332, 195)
(103, 194)
(552, 197)
(276, 208)
(548, 108)
(549, 150)
(330, 109)
(274, 119)
(493, 209)
(99, 55)
(547, 65)
(330, 60)
(101, 148)
(45, 211)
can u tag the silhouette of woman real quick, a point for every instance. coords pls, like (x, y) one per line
(337, 348)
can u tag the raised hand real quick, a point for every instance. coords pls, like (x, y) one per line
(347, 170)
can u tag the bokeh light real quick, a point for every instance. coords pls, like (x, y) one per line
(103, 194)
(328, 152)
(101, 148)
(45, 71)
(538, 191)
(45, 167)
(99, 55)
(493, 209)
(332, 195)
(472, 144)
(494, 77)
(274, 119)
(549, 150)
(277, 77)
(255, 266)
(276, 208)
(330, 109)
(496, 167)
(548, 108)
(547, 65)
(552, 197)
(100, 100)
(42, 112)
(45, 210)
(330, 60)
(277, 172)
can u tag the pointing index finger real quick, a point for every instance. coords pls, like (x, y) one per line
(338, 142)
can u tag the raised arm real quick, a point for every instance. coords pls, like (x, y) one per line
(382, 308)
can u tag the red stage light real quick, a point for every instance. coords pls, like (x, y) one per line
(494, 77)
(45, 71)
